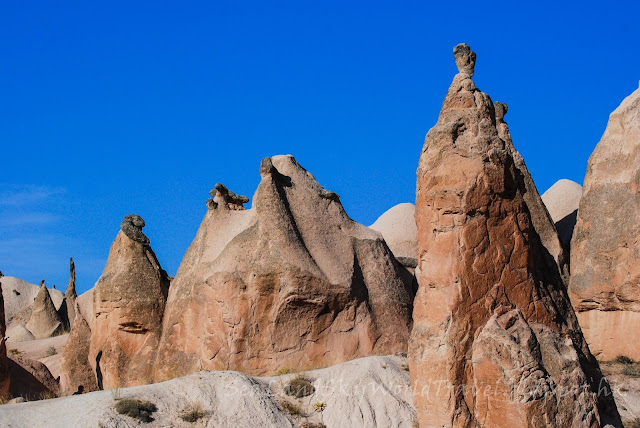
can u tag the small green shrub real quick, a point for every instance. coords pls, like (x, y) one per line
(284, 371)
(51, 351)
(193, 412)
(623, 359)
(291, 408)
(137, 409)
(299, 387)
(15, 352)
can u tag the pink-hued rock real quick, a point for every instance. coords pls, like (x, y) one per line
(495, 341)
(291, 283)
(76, 369)
(605, 249)
(129, 301)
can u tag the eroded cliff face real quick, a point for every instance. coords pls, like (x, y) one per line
(129, 302)
(605, 248)
(291, 283)
(495, 340)
(4, 361)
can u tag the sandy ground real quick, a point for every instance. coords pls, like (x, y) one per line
(368, 392)
(48, 351)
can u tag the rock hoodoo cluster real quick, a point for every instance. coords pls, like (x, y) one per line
(495, 340)
(129, 300)
(293, 282)
(605, 249)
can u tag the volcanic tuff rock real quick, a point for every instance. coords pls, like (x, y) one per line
(44, 321)
(70, 294)
(562, 200)
(605, 249)
(542, 221)
(76, 369)
(495, 341)
(398, 228)
(292, 282)
(129, 300)
(4, 362)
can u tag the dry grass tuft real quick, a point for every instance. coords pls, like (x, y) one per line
(299, 387)
(135, 408)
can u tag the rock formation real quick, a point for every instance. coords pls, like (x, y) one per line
(562, 200)
(495, 341)
(129, 300)
(291, 283)
(4, 362)
(44, 320)
(542, 221)
(31, 379)
(70, 294)
(605, 249)
(76, 369)
(398, 228)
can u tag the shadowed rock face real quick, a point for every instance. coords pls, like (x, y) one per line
(605, 249)
(129, 300)
(4, 362)
(495, 341)
(44, 321)
(292, 282)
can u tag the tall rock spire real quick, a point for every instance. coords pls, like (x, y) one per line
(129, 300)
(495, 340)
(70, 293)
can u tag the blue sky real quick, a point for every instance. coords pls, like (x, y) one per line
(141, 107)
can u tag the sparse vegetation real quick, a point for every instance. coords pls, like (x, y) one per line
(135, 408)
(299, 387)
(46, 395)
(415, 424)
(193, 412)
(313, 425)
(290, 408)
(116, 394)
(631, 370)
(51, 350)
(405, 367)
(623, 359)
(284, 371)
(319, 406)
(15, 352)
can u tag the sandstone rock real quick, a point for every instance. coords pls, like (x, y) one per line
(70, 294)
(222, 195)
(76, 369)
(31, 379)
(542, 220)
(19, 296)
(605, 249)
(562, 200)
(44, 321)
(129, 300)
(398, 228)
(495, 341)
(292, 282)
(84, 307)
(4, 362)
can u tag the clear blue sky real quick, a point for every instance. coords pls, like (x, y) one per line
(111, 108)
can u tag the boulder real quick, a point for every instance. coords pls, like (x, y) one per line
(495, 340)
(291, 283)
(44, 320)
(605, 249)
(129, 300)
(562, 200)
